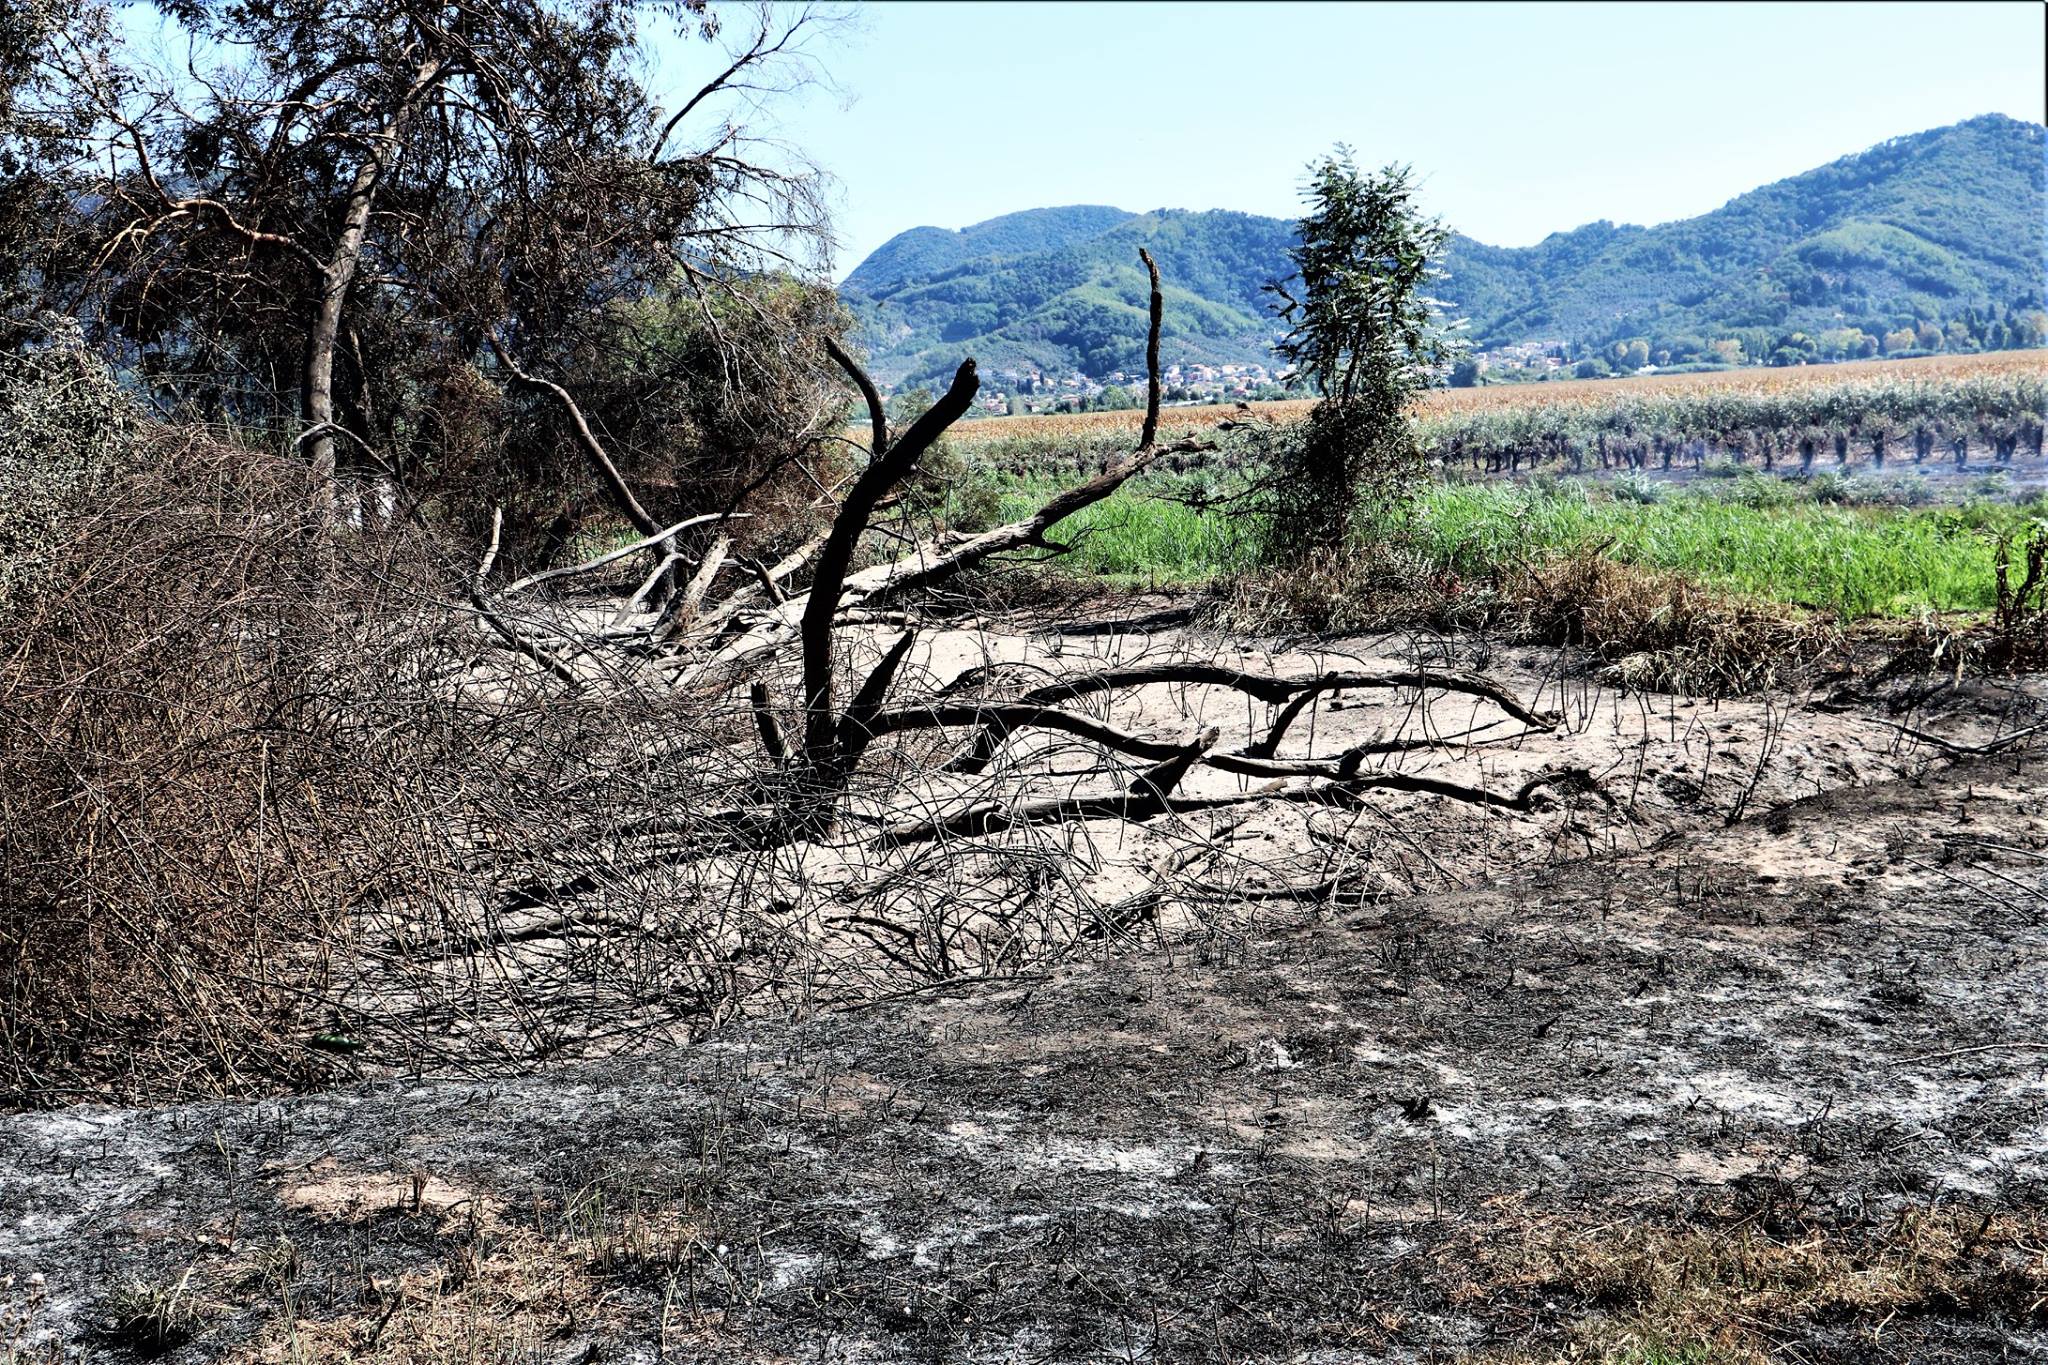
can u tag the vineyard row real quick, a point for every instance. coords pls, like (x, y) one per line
(2000, 414)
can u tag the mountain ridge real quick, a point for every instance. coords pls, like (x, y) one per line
(1945, 225)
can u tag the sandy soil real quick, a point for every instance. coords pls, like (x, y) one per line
(1777, 974)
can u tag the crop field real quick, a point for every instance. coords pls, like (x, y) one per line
(2027, 370)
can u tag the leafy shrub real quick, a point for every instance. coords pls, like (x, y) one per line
(1635, 486)
(1911, 491)
(974, 503)
(1830, 487)
(1996, 483)
(1762, 491)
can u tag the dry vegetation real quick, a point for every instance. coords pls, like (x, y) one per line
(274, 807)
(1644, 627)
(751, 943)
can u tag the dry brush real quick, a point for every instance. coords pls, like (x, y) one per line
(392, 814)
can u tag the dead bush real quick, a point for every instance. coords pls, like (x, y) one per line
(164, 778)
(2012, 638)
(1653, 628)
(264, 804)
(1371, 585)
(1657, 629)
(2019, 619)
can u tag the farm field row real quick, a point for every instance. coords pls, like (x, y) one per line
(2024, 372)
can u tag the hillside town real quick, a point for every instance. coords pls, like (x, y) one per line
(1018, 392)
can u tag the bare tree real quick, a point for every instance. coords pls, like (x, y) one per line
(799, 797)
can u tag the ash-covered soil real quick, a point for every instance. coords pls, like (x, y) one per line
(1745, 1060)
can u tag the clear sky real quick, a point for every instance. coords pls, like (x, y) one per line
(1520, 120)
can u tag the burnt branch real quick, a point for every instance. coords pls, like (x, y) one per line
(615, 485)
(512, 638)
(1292, 694)
(992, 817)
(659, 538)
(885, 470)
(834, 590)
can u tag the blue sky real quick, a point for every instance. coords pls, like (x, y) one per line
(1520, 120)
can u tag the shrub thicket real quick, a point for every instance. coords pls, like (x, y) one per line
(64, 424)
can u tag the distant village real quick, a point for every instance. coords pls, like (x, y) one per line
(1532, 359)
(1020, 392)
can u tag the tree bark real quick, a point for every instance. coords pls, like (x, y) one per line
(337, 277)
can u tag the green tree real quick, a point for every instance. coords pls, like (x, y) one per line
(40, 123)
(1367, 337)
(342, 212)
(1842, 343)
(1464, 372)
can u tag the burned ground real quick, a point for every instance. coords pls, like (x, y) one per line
(1736, 1068)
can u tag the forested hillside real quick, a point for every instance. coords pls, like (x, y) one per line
(1079, 305)
(1929, 242)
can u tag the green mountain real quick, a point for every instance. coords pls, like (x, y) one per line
(1077, 305)
(926, 251)
(1949, 225)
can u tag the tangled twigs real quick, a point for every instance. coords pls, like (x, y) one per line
(804, 793)
(1294, 693)
(502, 835)
(512, 638)
(994, 816)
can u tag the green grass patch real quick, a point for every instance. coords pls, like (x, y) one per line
(1854, 562)
(1767, 539)
(1140, 535)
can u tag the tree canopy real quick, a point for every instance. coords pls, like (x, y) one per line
(339, 218)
